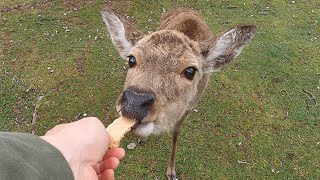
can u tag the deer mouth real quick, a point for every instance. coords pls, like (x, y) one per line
(136, 125)
(143, 129)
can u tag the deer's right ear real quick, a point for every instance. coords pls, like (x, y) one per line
(117, 33)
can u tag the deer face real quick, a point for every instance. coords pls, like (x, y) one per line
(164, 70)
(167, 70)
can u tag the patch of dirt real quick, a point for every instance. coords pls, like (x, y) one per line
(113, 6)
(80, 60)
(21, 109)
(24, 6)
(75, 6)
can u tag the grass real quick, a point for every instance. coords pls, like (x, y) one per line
(259, 119)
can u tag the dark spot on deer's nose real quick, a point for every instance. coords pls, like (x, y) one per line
(136, 104)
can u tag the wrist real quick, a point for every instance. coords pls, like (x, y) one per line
(68, 154)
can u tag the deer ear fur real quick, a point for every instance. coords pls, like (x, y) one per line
(117, 33)
(228, 46)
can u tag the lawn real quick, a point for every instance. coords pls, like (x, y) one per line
(259, 118)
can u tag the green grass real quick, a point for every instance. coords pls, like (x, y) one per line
(259, 119)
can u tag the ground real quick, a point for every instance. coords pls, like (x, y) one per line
(259, 118)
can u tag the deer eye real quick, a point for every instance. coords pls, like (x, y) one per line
(190, 72)
(132, 61)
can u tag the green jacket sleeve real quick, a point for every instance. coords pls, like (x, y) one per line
(28, 157)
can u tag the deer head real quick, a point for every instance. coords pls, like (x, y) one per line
(166, 67)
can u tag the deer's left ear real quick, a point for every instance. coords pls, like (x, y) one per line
(227, 47)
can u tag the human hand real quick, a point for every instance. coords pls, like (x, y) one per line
(84, 144)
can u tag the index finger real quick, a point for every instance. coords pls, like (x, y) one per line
(118, 153)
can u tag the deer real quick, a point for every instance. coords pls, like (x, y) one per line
(169, 69)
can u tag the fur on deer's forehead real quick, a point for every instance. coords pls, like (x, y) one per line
(167, 49)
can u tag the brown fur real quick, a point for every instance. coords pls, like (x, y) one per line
(190, 23)
(183, 40)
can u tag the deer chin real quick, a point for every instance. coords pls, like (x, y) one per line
(143, 129)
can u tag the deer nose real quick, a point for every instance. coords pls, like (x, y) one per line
(137, 104)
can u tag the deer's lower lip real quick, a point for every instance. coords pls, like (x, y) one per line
(143, 130)
(136, 126)
(139, 124)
